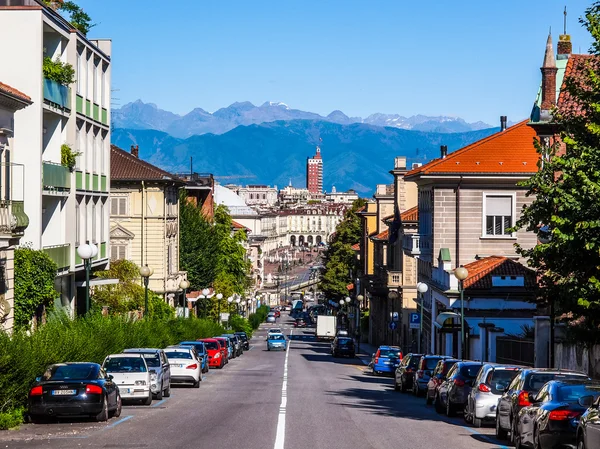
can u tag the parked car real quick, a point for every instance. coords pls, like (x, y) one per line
(437, 378)
(343, 346)
(588, 430)
(342, 333)
(235, 343)
(160, 370)
(244, 339)
(186, 368)
(524, 386)
(425, 368)
(224, 348)
(215, 353)
(405, 372)
(131, 374)
(277, 313)
(386, 359)
(276, 341)
(453, 392)
(552, 418)
(300, 322)
(200, 352)
(489, 385)
(74, 389)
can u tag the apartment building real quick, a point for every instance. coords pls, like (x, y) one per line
(66, 205)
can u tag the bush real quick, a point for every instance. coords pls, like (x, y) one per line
(11, 418)
(259, 317)
(89, 339)
(61, 72)
(239, 324)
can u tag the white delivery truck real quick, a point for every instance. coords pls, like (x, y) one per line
(326, 326)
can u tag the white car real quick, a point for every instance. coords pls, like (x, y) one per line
(273, 330)
(185, 367)
(131, 374)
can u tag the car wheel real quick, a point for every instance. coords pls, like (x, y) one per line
(428, 400)
(467, 414)
(449, 409)
(37, 419)
(117, 411)
(396, 386)
(196, 384)
(513, 431)
(402, 386)
(103, 415)
(167, 392)
(476, 421)
(517, 440)
(148, 400)
(500, 432)
(580, 442)
(159, 395)
(536, 439)
(438, 404)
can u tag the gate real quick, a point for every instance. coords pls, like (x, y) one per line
(517, 351)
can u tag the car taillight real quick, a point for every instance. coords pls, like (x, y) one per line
(93, 389)
(459, 382)
(562, 415)
(409, 370)
(523, 399)
(484, 388)
(193, 366)
(420, 373)
(36, 391)
(376, 360)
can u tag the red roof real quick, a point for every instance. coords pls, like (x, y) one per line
(5, 88)
(389, 217)
(125, 166)
(356, 247)
(236, 225)
(481, 271)
(411, 214)
(382, 235)
(574, 73)
(509, 151)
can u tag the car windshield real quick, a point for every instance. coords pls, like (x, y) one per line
(389, 352)
(499, 379)
(199, 346)
(70, 372)
(414, 361)
(211, 345)
(124, 365)
(345, 342)
(447, 367)
(431, 363)
(152, 359)
(274, 331)
(276, 337)
(470, 371)
(537, 380)
(178, 355)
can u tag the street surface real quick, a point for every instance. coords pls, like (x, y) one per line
(257, 402)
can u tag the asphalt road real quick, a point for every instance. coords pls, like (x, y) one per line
(299, 399)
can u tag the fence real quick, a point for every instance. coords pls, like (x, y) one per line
(517, 351)
(578, 358)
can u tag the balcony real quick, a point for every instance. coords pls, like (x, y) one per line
(55, 177)
(60, 254)
(394, 279)
(13, 220)
(57, 95)
(411, 244)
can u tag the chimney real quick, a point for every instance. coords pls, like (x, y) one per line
(135, 150)
(548, 77)
(564, 47)
(443, 151)
(503, 123)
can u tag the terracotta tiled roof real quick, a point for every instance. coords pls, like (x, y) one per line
(356, 247)
(382, 235)
(574, 70)
(481, 271)
(5, 88)
(389, 217)
(125, 166)
(411, 214)
(509, 151)
(236, 225)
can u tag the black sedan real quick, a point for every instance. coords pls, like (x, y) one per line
(343, 346)
(588, 432)
(245, 342)
(551, 420)
(74, 389)
(454, 391)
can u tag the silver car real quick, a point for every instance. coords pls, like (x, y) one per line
(160, 370)
(488, 386)
(271, 319)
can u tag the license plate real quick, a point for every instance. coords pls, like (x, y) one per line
(63, 392)
(176, 365)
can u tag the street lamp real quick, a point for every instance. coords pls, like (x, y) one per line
(184, 284)
(145, 273)
(461, 273)
(422, 289)
(393, 295)
(86, 252)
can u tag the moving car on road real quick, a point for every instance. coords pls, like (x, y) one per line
(524, 386)
(454, 391)
(131, 374)
(215, 353)
(74, 389)
(185, 367)
(201, 352)
(437, 378)
(404, 375)
(160, 370)
(300, 322)
(552, 418)
(276, 341)
(244, 339)
(343, 346)
(386, 359)
(489, 385)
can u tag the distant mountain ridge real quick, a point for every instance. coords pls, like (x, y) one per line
(140, 115)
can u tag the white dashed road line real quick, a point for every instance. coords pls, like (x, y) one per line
(280, 436)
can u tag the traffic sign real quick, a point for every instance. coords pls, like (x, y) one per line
(415, 321)
(395, 316)
(393, 325)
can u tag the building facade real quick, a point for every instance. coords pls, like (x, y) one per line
(313, 225)
(66, 205)
(314, 173)
(341, 197)
(257, 195)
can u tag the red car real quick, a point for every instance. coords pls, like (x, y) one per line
(300, 322)
(215, 354)
(224, 347)
(277, 313)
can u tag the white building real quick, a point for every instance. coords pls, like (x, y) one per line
(314, 225)
(66, 207)
(257, 195)
(292, 195)
(341, 197)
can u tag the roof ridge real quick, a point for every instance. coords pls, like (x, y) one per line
(131, 158)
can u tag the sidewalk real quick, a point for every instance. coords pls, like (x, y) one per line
(366, 352)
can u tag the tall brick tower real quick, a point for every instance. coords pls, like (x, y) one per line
(314, 173)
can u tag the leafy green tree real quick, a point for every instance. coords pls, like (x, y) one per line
(34, 283)
(127, 295)
(566, 208)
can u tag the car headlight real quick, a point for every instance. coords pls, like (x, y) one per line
(140, 382)
(217, 355)
(153, 377)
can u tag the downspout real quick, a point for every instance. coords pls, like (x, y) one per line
(457, 224)
(142, 224)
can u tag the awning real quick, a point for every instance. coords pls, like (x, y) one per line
(97, 281)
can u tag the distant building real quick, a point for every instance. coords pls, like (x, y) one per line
(200, 189)
(312, 225)
(314, 173)
(256, 195)
(341, 197)
(292, 195)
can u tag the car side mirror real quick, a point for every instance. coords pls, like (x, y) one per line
(586, 401)
(373, 355)
(110, 377)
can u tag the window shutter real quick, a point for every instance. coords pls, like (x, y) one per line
(122, 251)
(114, 206)
(499, 205)
(114, 252)
(122, 206)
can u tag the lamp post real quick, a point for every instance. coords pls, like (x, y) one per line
(392, 295)
(461, 274)
(146, 272)
(422, 289)
(87, 252)
(359, 300)
(184, 285)
(237, 305)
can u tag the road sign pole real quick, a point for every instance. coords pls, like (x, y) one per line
(420, 327)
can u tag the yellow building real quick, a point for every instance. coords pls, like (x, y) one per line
(144, 220)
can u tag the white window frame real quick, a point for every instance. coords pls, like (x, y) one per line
(116, 246)
(487, 194)
(79, 73)
(77, 223)
(119, 213)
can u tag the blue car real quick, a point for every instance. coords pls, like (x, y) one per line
(201, 350)
(386, 360)
(276, 341)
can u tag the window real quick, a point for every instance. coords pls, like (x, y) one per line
(95, 82)
(79, 145)
(118, 206)
(118, 251)
(79, 73)
(102, 222)
(77, 224)
(94, 222)
(498, 215)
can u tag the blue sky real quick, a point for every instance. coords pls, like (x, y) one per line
(476, 59)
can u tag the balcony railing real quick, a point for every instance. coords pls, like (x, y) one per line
(57, 94)
(55, 176)
(13, 219)
(394, 278)
(60, 254)
(412, 244)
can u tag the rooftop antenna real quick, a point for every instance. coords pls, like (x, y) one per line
(565, 20)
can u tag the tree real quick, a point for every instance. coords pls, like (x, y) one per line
(127, 295)
(566, 210)
(34, 283)
(77, 16)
